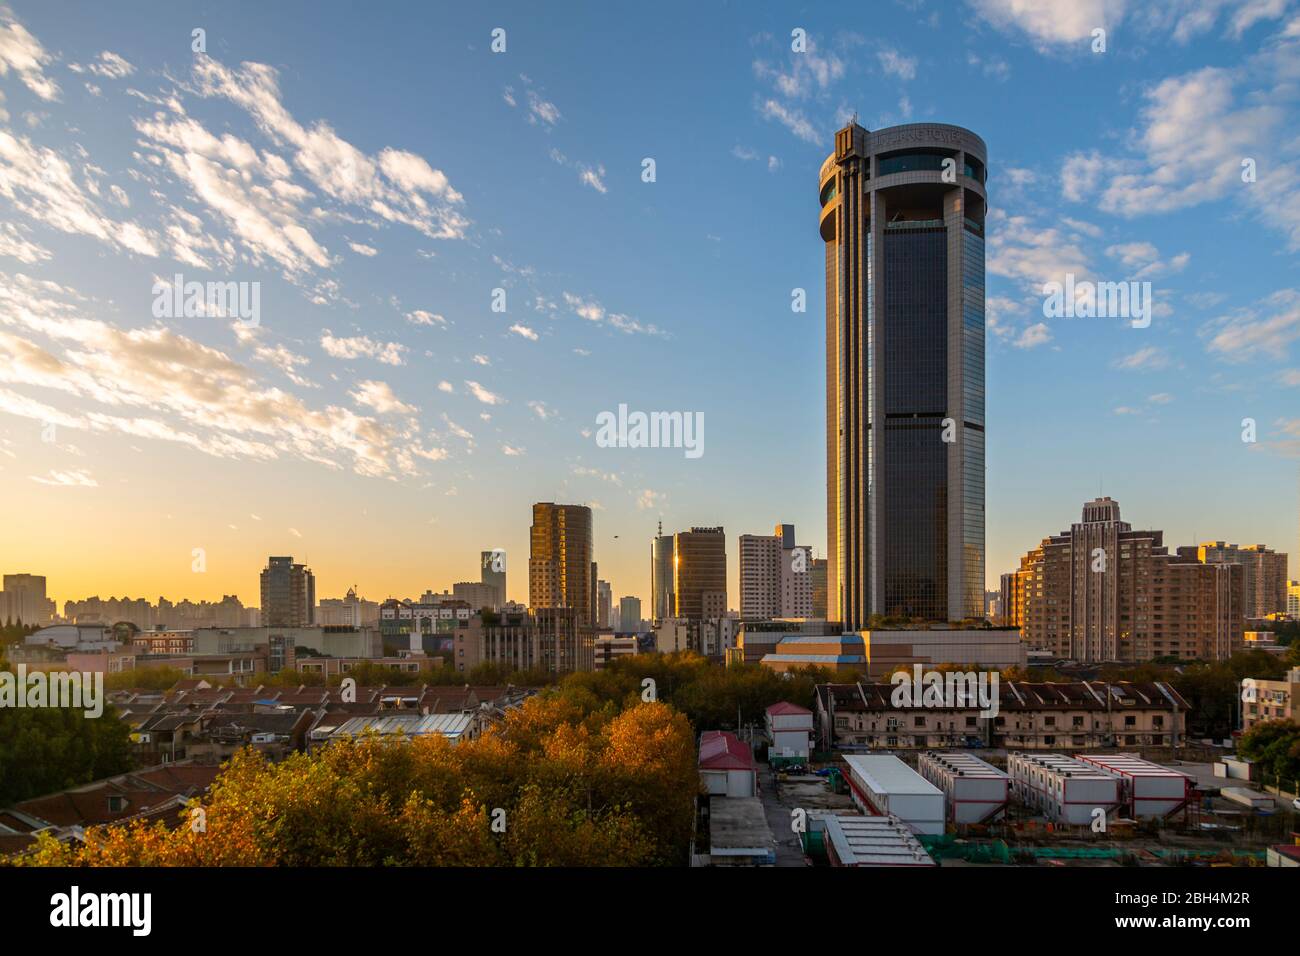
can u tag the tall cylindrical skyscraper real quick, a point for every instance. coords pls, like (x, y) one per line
(902, 218)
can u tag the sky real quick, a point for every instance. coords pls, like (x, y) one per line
(472, 229)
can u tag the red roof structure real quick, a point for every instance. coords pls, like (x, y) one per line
(720, 750)
(786, 709)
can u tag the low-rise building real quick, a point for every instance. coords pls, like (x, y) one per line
(1270, 699)
(611, 647)
(885, 786)
(789, 734)
(1030, 716)
(727, 766)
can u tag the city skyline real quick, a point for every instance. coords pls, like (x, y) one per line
(327, 432)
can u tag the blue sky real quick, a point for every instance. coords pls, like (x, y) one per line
(380, 173)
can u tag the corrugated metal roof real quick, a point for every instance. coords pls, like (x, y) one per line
(874, 841)
(409, 725)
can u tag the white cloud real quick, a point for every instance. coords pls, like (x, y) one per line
(792, 119)
(67, 479)
(1033, 336)
(389, 353)
(1051, 22)
(380, 397)
(155, 383)
(593, 311)
(111, 66)
(1263, 331)
(13, 243)
(483, 395)
(23, 54)
(896, 64)
(1148, 359)
(421, 317)
(41, 184)
(360, 248)
(394, 184)
(648, 499)
(524, 331)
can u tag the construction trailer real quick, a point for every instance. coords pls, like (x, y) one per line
(1147, 789)
(885, 786)
(1062, 789)
(974, 791)
(872, 841)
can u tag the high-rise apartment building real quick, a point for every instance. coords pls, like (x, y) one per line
(288, 594)
(1104, 592)
(775, 576)
(629, 614)
(1264, 573)
(662, 603)
(24, 599)
(700, 573)
(561, 566)
(1293, 600)
(493, 573)
(902, 219)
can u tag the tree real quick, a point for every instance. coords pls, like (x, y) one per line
(46, 749)
(1275, 746)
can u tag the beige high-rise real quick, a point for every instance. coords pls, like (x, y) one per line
(1104, 592)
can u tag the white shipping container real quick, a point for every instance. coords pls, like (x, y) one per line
(1063, 789)
(973, 790)
(884, 785)
(1150, 790)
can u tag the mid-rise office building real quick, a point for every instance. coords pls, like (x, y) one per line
(288, 594)
(561, 562)
(1105, 592)
(775, 576)
(902, 220)
(700, 573)
(548, 639)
